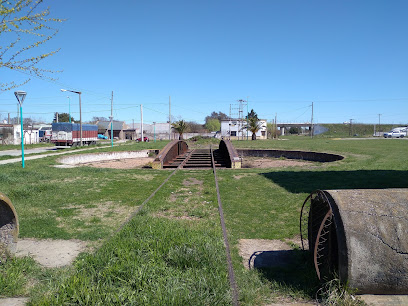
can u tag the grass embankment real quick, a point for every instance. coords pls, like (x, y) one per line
(172, 253)
(355, 130)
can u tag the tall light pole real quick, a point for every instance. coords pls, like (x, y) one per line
(20, 95)
(69, 108)
(80, 113)
(247, 117)
(311, 123)
(111, 124)
(141, 123)
(111, 120)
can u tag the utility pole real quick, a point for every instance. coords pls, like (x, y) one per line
(276, 126)
(240, 114)
(247, 116)
(169, 117)
(230, 123)
(111, 120)
(351, 127)
(311, 131)
(141, 122)
(379, 124)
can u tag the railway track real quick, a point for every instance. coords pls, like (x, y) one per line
(201, 159)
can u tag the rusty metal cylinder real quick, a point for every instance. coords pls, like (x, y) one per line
(9, 228)
(363, 235)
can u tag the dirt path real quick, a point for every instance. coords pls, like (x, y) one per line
(51, 253)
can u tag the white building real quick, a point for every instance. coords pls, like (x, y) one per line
(30, 136)
(10, 134)
(236, 129)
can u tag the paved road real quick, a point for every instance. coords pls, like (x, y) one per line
(53, 152)
(28, 151)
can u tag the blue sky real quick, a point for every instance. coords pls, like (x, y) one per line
(348, 57)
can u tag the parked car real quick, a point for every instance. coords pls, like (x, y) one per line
(140, 139)
(399, 132)
(100, 136)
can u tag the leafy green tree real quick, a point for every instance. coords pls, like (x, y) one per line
(252, 114)
(294, 130)
(213, 125)
(253, 126)
(63, 117)
(214, 115)
(24, 26)
(180, 127)
(253, 123)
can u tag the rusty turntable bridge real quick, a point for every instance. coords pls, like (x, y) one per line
(177, 154)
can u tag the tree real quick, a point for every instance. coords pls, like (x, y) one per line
(253, 123)
(252, 114)
(180, 127)
(63, 117)
(194, 127)
(294, 130)
(96, 119)
(214, 115)
(213, 125)
(24, 26)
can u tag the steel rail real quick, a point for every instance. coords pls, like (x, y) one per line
(231, 275)
(153, 194)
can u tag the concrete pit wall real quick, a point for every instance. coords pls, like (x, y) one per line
(95, 157)
(362, 235)
(9, 228)
(310, 156)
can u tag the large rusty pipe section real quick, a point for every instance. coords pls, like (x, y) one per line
(362, 235)
(8, 228)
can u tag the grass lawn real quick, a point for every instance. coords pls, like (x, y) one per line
(172, 252)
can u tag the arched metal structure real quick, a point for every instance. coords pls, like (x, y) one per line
(170, 153)
(229, 154)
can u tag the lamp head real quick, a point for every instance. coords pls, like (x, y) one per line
(20, 95)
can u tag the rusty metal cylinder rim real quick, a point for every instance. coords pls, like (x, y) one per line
(370, 245)
(4, 199)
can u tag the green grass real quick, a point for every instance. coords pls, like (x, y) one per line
(172, 252)
(361, 130)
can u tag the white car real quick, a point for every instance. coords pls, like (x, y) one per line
(396, 133)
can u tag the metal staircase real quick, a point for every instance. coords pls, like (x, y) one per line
(198, 159)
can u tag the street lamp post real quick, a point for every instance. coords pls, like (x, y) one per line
(154, 131)
(111, 121)
(20, 95)
(80, 113)
(69, 108)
